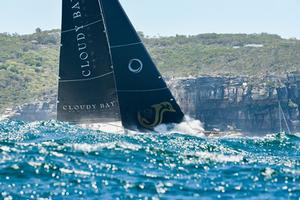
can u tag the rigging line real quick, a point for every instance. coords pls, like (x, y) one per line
(150, 90)
(90, 24)
(284, 118)
(87, 79)
(125, 45)
(279, 115)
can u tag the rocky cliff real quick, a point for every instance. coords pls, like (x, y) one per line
(39, 110)
(225, 103)
(241, 103)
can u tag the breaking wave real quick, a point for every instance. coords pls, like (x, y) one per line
(189, 126)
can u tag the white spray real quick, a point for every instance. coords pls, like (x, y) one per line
(188, 126)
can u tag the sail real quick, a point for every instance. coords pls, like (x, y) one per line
(144, 98)
(87, 89)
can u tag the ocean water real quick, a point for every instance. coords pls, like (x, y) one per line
(51, 160)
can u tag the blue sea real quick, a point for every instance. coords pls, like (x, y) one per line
(52, 160)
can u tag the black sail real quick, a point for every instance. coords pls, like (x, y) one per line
(87, 89)
(144, 98)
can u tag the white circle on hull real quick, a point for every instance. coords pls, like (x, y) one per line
(135, 65)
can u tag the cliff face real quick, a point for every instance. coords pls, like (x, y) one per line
(40, 110)
(240, 103)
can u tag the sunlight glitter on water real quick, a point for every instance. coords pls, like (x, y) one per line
(55, 160)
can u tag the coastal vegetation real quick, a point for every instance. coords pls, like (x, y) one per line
(29, 63)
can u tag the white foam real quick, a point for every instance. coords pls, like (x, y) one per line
(59, 155)
(297, 134)
(73, 171)
(34, 164)
(111, 145)
(109, 127)
(268, 172)
(216, 157)
(8, 113)
(92, 147)
(189, 126)
(5, 148)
